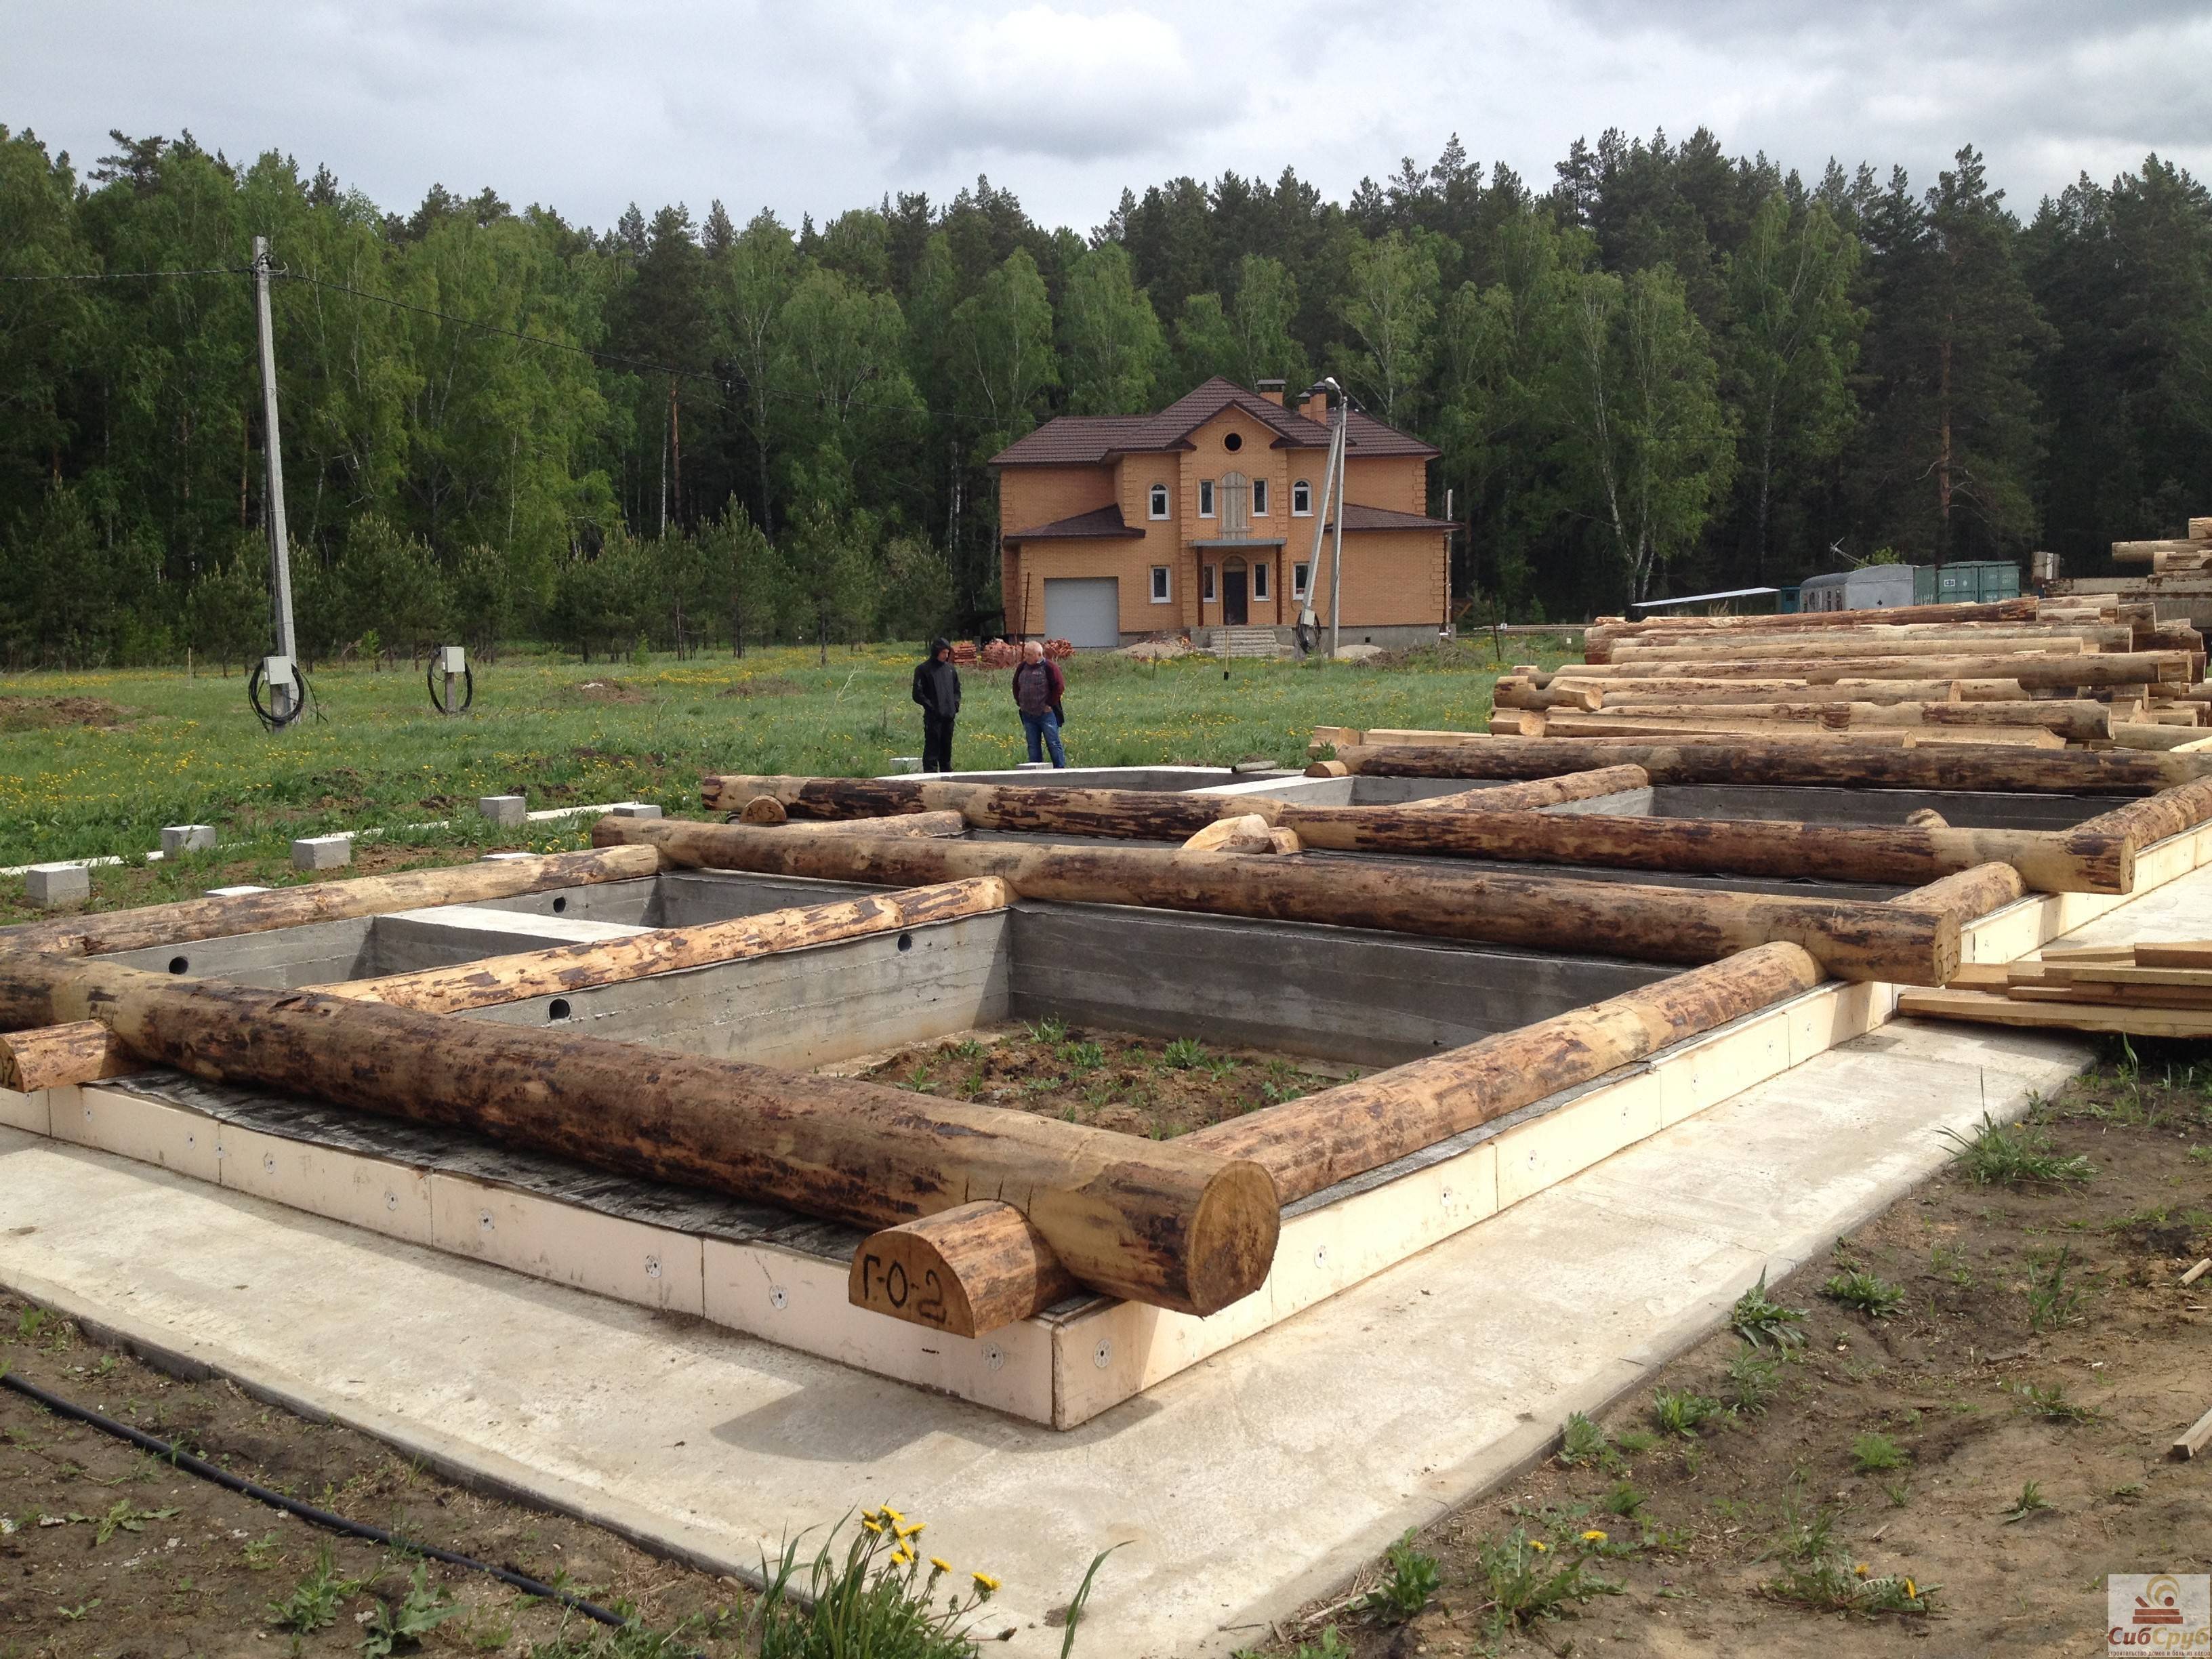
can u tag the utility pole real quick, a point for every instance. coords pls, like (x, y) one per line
(1336, 551)
(282, 670)
(1328, 390)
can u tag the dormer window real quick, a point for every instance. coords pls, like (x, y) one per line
(1159, 501)
(1206, 498)
(1302, 500)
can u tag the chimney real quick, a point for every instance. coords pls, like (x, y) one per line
(1273, 391)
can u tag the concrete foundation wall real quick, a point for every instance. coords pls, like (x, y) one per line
(1962, 810)
(320, 953)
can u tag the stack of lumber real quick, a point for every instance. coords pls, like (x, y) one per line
(2188, 556)
(2142, 990)
(2027, 672)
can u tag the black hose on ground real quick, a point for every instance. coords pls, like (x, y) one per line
(307, 1512)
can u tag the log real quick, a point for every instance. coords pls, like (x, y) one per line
(2200, 529)
(1968, 895)
(1628, 694)
(967, 1272)
(2170, 813)
(1950, 767)
(763, 809)
(1926, 818)
(2154, 735)
(1308, 1144)
(2023, 609)
(323, 901)
(1165, 1222)
(1499, 823)
(1328, 768)
(1248, 834)
(1811, 651)
(1851, 938)
(48, 1056)
(2099, 668)
(1637, 723)
(908, 826)
(2148, 552)
(1518, 691)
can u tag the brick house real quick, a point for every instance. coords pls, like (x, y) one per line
(1203, 517)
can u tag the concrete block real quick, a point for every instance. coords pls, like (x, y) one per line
(235, 893)
(322, 852)
(635, 809)
(49, 884)
(1034, 766)
(187, 838)
(506, 810)
(906, 762)
(489, 856)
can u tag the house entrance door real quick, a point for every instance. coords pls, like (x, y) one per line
(1233, 578)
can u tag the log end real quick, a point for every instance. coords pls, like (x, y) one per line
(1233, 1236)
(1328, 768)
(966, 1270)
(763, 809)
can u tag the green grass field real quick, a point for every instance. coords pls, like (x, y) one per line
(93, 764)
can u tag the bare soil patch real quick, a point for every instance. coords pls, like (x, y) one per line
(36, 714)
(2037, 1335)
(107, 1549)
(606, 690)
(763, 685)
(1152, 1086)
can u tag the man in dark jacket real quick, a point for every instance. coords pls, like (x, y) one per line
(1038, 688)
(937, 689)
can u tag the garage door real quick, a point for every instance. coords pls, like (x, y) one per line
(1085, 612)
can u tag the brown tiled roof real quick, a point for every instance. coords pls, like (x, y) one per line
(1093, 440)
(1358, 518)
(1099, 521)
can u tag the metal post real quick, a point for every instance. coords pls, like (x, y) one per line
(281, 697)
(1336, 551)
(1320, 517)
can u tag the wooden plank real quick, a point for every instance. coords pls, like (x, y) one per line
(1982, 1008)
(2194, 1438)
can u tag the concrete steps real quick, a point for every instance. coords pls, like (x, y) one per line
(1245, 642)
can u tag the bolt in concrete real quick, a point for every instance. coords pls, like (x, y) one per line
(505, 811)
(322, 852)
(49, 884)
(187, 838)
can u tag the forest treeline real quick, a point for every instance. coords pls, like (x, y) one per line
(1670, 369)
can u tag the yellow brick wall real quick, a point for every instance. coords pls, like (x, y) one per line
(1391, 577)
(1032, 495)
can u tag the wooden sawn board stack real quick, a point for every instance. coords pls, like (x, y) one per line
(2163, 990)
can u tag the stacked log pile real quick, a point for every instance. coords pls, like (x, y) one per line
(2188, 556)
(2026, 673)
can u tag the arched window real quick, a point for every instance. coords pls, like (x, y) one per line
(1302, 500)
(1159, 507)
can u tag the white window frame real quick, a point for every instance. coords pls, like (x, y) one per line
(1259, 580)
(1302, 488)
(1206, 498)
(1258, 498)
(1156, 500)
(1162, 585)
(1301, 579)
(1207, 587)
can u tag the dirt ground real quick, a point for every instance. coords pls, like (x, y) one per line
(2038, 1336)
(1110, 1079)
(37, 714)
(105, 1550)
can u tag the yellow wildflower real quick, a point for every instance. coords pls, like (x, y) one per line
(1538, 1544)
(985, 1582)
(1911, 1590)
(873, 1526)
(1592, 1537)
(940, 1564)
(902, 1556)
(1860, 1569)
(912, 1530)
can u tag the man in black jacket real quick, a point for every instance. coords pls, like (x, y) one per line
(937, 689)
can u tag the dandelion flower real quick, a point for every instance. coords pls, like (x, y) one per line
(902, 1556)
(1860, 1569)
(912, 1530)
(876, 1527)
(1911, 1590)
(985, 1582)
(1592, 1537)
(895, 1515)
(1538, 1544)
(940, 1564)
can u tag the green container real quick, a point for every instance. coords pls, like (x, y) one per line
(1980, 581)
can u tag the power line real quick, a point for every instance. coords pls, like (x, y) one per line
(130, 276)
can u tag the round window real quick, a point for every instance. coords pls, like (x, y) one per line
(1234, 441)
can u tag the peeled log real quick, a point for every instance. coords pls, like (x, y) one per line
(1311, 1144)
(2027, 771)
(1817, 621)
(1160, 1222)
(45, 1055)
(967, 1272)
(323, 901)
(1860, 645)
(1852, 940)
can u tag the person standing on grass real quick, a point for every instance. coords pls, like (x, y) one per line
(937, 689)
(1038, 688)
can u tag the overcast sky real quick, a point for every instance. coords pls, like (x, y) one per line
(822, 105)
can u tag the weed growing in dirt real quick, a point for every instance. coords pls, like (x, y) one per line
(126, 1517)
(2051, 1302)
(1761, 1320)
(1950, 1261)
(1623, 1499)
(1184, 1053)
(1525, 1584)
(1410, 1580)
(421, 1609)
(314, 1602)
(1877, 1298)
(1753, 1379)
(1898, 1491)
(2052, 1403)
(1996, 1154)
(1876, 1454)
(1636, 1442)
(2030, 1500)
(1803, 1538)
(1331, 1646)
(1828, 1586)
(263, 1553)
(1082, 1056)
(1047, 1032)
(1677, 1411)
(1581, 1441)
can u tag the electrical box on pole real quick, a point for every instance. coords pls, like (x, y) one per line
(280, 669)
